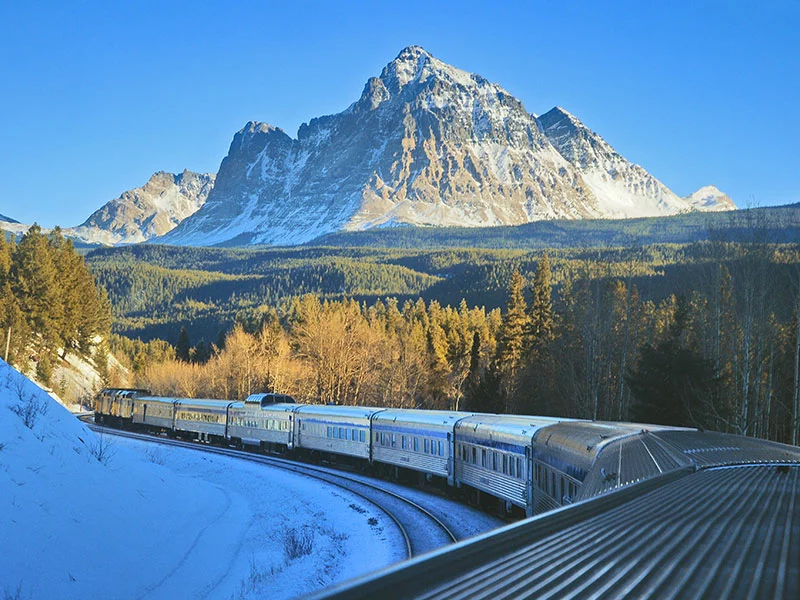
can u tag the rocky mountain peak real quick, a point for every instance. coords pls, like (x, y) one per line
(147, 211)
(710, 198)
(426, 143)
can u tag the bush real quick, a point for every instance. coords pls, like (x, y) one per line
(297, 543)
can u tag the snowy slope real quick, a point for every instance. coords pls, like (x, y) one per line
(710, 198)
(622, 188)
(5, 219)
(148, 526)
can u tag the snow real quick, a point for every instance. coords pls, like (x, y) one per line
(88, 516)
(710, 198)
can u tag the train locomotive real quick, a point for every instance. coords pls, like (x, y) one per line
(522, 465)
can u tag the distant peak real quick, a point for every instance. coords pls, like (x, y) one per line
(413, 53)
(559, 113)
(259, 127)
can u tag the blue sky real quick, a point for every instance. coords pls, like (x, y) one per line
(97, 96)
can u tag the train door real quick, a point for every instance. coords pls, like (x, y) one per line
(529, 483)
(290, 441)
(451, 453)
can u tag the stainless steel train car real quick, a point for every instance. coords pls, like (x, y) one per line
(341, 430)
(531, 463)
(493, 454)
(265, 421)
(420, 440)
(115, 405)
(154, 412)
(207, 420)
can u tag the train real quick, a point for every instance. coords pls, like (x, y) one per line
(518, 464)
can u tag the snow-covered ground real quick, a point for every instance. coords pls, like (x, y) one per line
(86, 516)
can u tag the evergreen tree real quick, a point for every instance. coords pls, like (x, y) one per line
(511, 341)
(183, 346)
(541, 326)
(672, 383)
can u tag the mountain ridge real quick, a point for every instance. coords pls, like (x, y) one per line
(425, 144)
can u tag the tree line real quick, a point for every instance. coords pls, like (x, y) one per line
(49, 303)
(721, 351)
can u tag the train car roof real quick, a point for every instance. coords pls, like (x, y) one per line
(334, 410)
(206, 403)
(158, 399)
(421, 417)
(277, 407)
(515, 425)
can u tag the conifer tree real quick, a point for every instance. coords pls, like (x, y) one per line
(511, 340)
(541, 325)
(183, 346)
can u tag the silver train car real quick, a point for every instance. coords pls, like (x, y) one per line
(343, 430)
(204, 419)
(493, 455)
(265, 421)
(420, 440)
(519, 464)
(115, 405)
(155, 413)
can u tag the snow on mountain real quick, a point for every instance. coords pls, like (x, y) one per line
(710, 198)
(426, 144)
(5, 219)
(148, 211)
(85, 516)
(622, 188)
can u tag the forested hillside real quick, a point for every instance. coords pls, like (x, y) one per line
(780, 224)
(49, 303)
(703, 334)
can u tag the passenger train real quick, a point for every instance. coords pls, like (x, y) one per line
(523, 464)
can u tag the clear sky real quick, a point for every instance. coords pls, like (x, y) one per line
(96, 96)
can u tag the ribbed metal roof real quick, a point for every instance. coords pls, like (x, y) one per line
(721, 533)
(630, 460)
(712, 449)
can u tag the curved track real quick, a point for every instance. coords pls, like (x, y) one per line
(420, 528)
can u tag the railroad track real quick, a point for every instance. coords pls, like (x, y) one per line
(422, 531)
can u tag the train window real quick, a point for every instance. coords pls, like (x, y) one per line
(520, 474)
(355, 435)
(426, 446)
(494, 461)
(505, 464)
(441, 448)
(329, 432)
(474, 456)
(347, 434)
(361, 436)
(394, 440)
(416, 444)
(403, 442)
(483, 457)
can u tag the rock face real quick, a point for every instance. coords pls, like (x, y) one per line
(622, 189)
(148, 211)
(425, 144)
(710, 198)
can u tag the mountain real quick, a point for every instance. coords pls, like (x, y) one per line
(710, 198)
(148, 211)
(623, 189)
(6, 219)
(425, 144)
